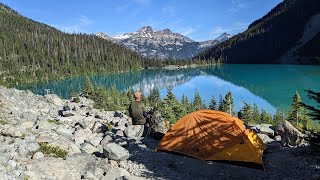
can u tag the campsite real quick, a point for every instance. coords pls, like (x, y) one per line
(85, 148)
(159, 90)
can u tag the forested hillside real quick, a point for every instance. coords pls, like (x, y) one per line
(278, 37)
(34, 51)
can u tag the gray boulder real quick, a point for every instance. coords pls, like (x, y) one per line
(28, 147)
(83, 163)
(120, 133)
(67, 145)
(51, 168)
(115, 152)
(118, 114)
(116, 173)
(38, 155)
(290, 136)
(95, 141)
(88, 148)
(11, 131)
(265, 138)
(65, 131)
(265, 129)
(54, 99)
(99, 127)
(134, 131)
(106, 140)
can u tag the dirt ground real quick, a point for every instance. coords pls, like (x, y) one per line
(280, 163)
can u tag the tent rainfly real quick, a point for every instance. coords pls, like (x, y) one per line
(213, 135)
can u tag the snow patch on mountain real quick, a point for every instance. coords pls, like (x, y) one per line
(163, 44)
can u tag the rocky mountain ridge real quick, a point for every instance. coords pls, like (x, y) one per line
(163, 44)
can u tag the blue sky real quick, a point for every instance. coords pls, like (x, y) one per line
(197, 19)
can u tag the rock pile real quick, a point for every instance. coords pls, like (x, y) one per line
(34, 124)
(282, 132)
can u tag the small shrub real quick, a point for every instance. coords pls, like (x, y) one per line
(76, 99)
(52, 150)
(3, 122)
(109, 125)
(55, 121)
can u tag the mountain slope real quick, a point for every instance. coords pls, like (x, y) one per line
(281, 36)
(163, 44)
(31, 51)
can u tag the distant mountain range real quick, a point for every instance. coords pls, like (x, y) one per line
(288, 34)
(163, 44)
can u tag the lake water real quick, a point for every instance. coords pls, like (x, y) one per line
(269, 86)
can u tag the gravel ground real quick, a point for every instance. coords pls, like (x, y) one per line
(280, 163)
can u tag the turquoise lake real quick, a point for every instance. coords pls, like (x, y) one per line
(269, 86)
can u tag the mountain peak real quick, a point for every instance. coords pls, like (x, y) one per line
(146, 29)
(223, 37)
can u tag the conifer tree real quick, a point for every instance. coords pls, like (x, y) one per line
(213, 104)
(88, 89)
(278, 116)
(255, 114)
(197, 102)
(221, 104)
(265, 117)
(228, 103)
(246, 112)
(295, 109)
(154, 98)
(314, 111)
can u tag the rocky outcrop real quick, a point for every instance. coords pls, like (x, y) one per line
(290, 136)
(31, 120)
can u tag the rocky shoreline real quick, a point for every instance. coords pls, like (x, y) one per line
(42, 138)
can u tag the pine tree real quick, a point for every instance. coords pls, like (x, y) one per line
(185, 104)
(213, 104)
(295, 109)
(265, 117)
(221, 104)
(197, 102)
(255, 114)
(314, 110)
(88, 89)
(246, 113)
(171, 109)
(278, 116)
(154, 98)
(228, 103)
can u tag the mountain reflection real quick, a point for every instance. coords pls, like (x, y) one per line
(268, 86)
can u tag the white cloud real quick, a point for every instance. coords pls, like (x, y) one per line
(187, 31)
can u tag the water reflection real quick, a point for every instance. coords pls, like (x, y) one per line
(268, 86)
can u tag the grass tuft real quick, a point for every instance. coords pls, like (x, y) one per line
(52, 150)
(55, 121)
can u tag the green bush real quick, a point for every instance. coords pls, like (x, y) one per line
(109, 125)
(76, 99)
(52, 150)
(3, 122)
(55, 121)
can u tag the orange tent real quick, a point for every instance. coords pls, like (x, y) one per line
(213, 135)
